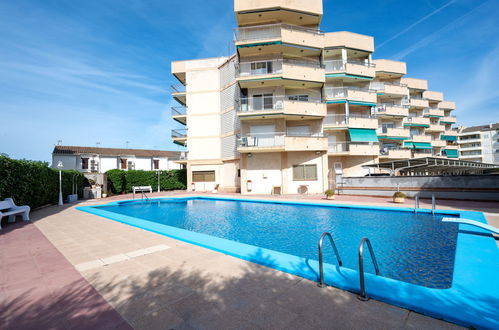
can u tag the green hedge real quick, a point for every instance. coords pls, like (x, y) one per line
(120, 181)
(35, 183)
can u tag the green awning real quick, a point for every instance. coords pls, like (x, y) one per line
(451, 153)
(422, 145)
(416, 125)
(451, 138)
(260, 44)
(363, 135)
(408, 145)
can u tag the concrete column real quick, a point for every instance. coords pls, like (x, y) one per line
(244, 175)
(284, 173)
(189, 176)
(347, 110)
(325, 170)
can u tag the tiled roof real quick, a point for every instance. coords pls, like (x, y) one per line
(76, 150)
(480, 128)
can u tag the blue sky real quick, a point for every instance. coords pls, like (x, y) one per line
(99, 70)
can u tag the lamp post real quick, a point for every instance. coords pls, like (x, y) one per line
(60, 166)
(159, 172)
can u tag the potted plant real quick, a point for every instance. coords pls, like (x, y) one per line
(399, 197)
(329, 194)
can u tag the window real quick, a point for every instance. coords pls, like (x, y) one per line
(155, 164)
(305, 172)
(123, 163)
(303, 98)
(203, 176)
(263, 102)
(84, 163)
(261, 67)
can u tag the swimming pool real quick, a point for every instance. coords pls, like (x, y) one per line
(416, 252)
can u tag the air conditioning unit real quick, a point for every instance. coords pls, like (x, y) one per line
(131, 165)
(94, 166)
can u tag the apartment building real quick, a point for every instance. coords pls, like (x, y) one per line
(479, 143)
(296, 108)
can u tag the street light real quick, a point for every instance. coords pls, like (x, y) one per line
(159, 173)
(60, 166)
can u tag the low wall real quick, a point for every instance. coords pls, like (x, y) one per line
(466, 187)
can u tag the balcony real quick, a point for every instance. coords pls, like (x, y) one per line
(422, 153)
(448, 120)
(434, 128)
(391, 110)
(390, 89)
(450, 133)
(417, 122)
(179, 136)
(390, 69)
(349, 40)
(433, 113)
(291, 73)
(446, 105)
(355, 95)
(438, 143)
(303, 12)
(433, 96)
(396, 153)
(416, 84)
(182, 158)
(353, 149)
(352, 69)
(416, 102)
(420, 138)
(280, 106)
(393, 133)
(334, 121)
(278, 142)
(180, 114)
(277, 35)
(179, 93)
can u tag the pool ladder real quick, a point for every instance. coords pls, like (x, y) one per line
(363, 242)
(433, 204)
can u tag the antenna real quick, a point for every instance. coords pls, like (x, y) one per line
(127, 143)
(59, 142)
(97, 144)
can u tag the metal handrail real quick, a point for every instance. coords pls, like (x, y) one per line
(363, 295)
(321, 263)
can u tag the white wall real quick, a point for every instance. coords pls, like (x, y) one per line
(302, 158)
(108, 163)
(206, 186)
(264, 171)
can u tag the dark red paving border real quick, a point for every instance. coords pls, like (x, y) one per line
(40, 289)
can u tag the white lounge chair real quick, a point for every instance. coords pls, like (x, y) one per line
(8, 208)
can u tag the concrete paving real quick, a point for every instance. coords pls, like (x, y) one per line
(183, 286)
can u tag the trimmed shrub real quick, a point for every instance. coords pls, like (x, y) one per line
(120, 181)
(34, 183)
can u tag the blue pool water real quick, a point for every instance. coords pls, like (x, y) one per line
(415, 248)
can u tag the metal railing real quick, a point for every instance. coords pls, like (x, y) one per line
(270, 102)
(340, 65)
(380, 85)
(270, 31)
(177, 88)
(335, 92)
(271, 139)
(179, 111)
(271, 66)
(365, 240)
(385, 150)
(179, 133)
(321, 264)
(334, 119)
(337, 147)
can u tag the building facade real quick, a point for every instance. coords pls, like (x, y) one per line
(295, 108)
(100, 160)
(479, 143)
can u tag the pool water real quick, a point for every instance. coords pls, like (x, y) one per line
(414, 248)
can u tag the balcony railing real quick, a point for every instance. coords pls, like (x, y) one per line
(380, 85)
(339, 147)
(382, 107)
(334, 119)
(274, 66)
(177, 88)
(340, 65)
(271, 31)
(271, 139)
(385, 150)
(179, 133)
(179, 111)
(270, 102)
(337, 92)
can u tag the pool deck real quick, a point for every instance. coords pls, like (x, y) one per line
(71, 269)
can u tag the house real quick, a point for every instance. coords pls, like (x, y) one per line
(100, 160)
(296, 108)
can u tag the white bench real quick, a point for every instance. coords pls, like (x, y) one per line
(142, 190)
(8, 208)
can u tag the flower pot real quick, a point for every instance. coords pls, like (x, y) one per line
(398, 199)
(330, 197)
